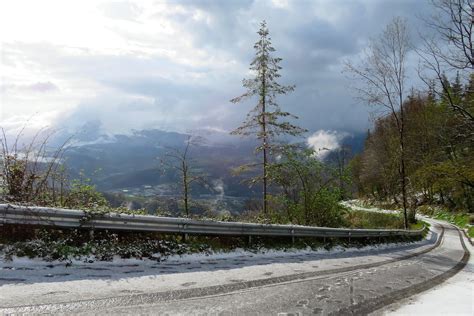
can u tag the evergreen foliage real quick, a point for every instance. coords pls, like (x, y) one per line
(265, 119)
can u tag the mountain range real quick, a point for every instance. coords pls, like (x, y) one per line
(130, 163)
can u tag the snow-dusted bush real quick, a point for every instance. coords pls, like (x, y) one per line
(103, 246)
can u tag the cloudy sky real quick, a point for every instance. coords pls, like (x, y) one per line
(175, 65)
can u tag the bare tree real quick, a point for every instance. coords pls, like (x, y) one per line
(383, 76)
(343, 155)
(453, 24)
(179, 159)
(451, 49)
(264, 119)
(27, 171)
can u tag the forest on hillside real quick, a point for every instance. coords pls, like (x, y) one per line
(439, 149)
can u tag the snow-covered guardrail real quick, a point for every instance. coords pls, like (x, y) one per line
(66, 218)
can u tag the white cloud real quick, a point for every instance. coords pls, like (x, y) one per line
(179, 61)
(40, 87)
(79, 50)
(282, 4)
(324, 141)
(28, 126)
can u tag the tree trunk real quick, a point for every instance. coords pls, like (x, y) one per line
(264, 130)
(403, 172)
(185, 189)
(61, 193)
(186, 209)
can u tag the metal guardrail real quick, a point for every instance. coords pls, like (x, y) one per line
(66, 218)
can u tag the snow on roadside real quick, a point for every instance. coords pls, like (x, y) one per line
(453, 297)
(351, 204)
(261, 253)
(34, 281)
(264, 253)
(24, 270)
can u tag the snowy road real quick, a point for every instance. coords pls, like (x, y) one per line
(359, 280)
(455, 296)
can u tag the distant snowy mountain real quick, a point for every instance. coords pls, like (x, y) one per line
(128, 161)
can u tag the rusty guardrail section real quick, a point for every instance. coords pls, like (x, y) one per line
(66, 218)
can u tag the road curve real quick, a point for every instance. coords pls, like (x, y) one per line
(359, 286)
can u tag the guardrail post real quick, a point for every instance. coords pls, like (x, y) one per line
(293, 237)
(185, 235)
(249, 240)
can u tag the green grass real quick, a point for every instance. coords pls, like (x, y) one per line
(457, 218)
(460, 220)
(470, 231)
(372, 220)
(418, 225)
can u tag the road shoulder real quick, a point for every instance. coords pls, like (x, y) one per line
(453, 297)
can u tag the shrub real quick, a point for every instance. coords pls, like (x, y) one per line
(372, 220)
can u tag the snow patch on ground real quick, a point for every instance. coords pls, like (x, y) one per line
(353, 205)
(33, 281)
(22, 270)
(453, 297)
(272, 253)
(261, 253)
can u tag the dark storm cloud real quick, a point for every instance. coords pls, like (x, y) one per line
(313, 48)
(314, 38)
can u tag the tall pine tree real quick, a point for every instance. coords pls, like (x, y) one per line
(265, 119)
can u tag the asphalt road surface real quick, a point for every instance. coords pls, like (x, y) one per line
(360, 285)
